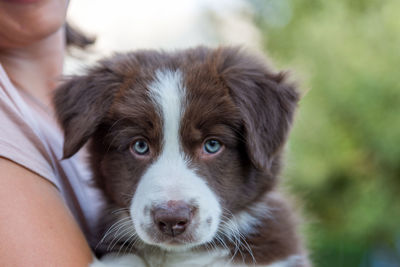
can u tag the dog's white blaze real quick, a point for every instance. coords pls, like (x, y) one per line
(168, 94)
(169, 177)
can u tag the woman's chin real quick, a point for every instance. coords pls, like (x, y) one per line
(25, 23)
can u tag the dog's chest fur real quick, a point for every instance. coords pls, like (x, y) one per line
(219, 258)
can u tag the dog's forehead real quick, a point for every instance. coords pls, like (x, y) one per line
(195, 87)
(188, 102)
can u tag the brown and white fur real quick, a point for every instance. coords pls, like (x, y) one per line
(186, 147)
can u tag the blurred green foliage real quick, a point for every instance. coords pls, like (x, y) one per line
(344, 151)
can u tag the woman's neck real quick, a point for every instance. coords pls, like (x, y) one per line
(37, 68)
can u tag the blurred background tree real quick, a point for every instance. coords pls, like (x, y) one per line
(344, 151)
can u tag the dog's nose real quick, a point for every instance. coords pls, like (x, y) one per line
(173, 217)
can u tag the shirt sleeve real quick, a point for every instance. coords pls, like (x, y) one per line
(20, 143)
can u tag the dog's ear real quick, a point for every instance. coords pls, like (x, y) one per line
(82, 102)
(265, 101)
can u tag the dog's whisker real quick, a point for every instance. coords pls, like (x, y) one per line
(238, 242)
(235, 237)
(207, 246)
(111, 229)
(247, 247)
(221, 241)
(240, 239)
(121, 228)
(135, 240)
(120, 210)
(119, 237)
(133, 234)
(116, 231)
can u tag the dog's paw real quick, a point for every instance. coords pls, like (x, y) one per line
(114, 260)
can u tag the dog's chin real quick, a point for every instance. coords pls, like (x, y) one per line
(174, 244)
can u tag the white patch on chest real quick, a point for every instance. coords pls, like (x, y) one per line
(188, 259)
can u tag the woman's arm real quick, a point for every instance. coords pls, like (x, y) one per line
(36, 228)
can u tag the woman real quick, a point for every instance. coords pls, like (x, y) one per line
(47, 206)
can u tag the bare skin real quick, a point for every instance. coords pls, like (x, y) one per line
(36, 228)
(32, 46)
(45, 57)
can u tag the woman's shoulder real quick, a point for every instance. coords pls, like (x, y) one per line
(19, 140)
(31, 138)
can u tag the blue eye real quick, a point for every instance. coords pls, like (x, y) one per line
(212, 146)
(140, 147)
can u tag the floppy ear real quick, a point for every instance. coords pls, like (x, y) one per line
(265, 100)
(81, 103)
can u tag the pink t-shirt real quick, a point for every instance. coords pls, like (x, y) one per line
(30, 137)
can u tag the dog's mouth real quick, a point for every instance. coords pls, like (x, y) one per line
(175, 226)
(179, 242)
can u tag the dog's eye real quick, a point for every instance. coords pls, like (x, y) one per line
(212, 146)
(140, 147)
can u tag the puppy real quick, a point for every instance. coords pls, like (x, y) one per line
(187, 149)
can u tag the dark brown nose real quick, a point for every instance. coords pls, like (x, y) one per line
(172, 218)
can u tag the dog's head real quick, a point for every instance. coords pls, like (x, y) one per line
(182, 140)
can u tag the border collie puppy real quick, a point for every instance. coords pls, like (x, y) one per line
(187, 149)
